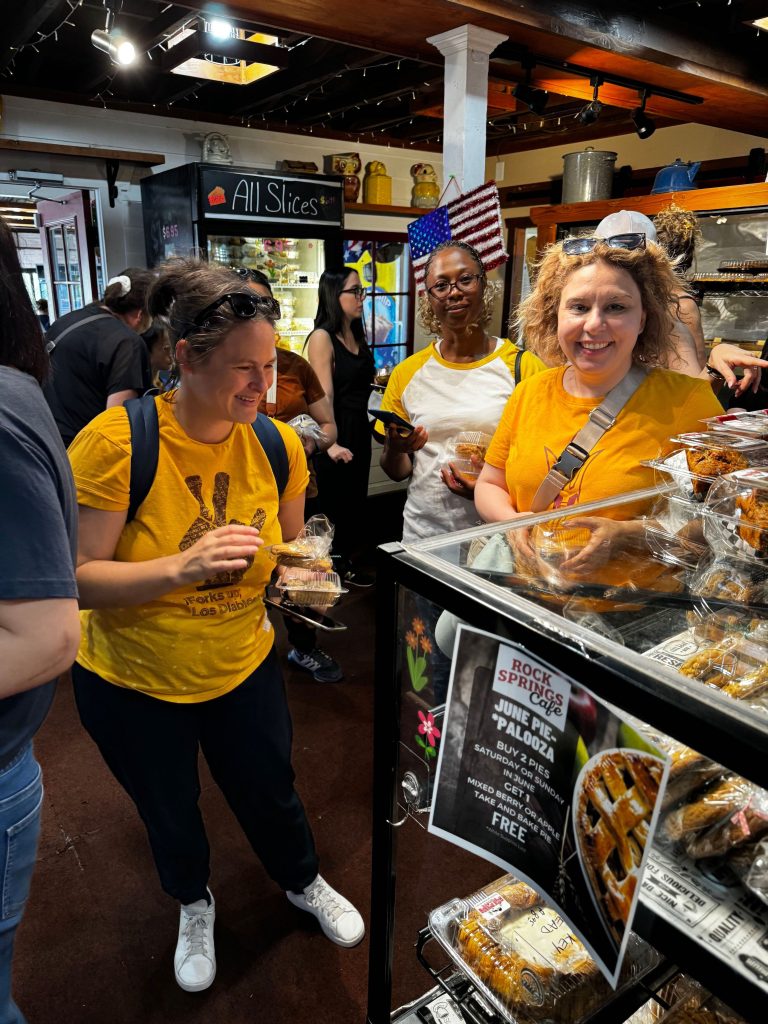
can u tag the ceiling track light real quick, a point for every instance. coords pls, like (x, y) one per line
(644, 126)
(534, 99)
(113, 42)
(590, 113)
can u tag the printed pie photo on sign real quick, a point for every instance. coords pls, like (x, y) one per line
(613, 805)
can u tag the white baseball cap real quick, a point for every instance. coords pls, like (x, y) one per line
(626, 222)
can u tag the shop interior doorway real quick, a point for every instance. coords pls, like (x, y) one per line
(58, 242)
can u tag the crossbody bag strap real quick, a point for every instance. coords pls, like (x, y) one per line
(577, 451)
(51, 345)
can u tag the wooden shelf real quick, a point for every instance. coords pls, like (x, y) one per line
(387, 211)
(92, 152)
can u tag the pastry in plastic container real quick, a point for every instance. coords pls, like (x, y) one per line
(310, 549)
(736, 514)
(729, 813)
(685, 1001)
(750, 864)
(675, 534)
(737, 666)
(688, 772)
(553, 543)
(306, 587)
(465, 452)
(524, 958)
(703, 457)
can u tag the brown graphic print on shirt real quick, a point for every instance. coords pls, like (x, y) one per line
(208, 520)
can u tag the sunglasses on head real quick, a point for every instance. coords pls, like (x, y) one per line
(579, 246)
(244, 305)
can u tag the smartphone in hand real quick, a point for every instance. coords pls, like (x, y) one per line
(386, 417)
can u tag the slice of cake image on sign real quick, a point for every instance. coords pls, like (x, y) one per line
(613, 804)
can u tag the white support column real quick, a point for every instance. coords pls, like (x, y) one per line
(466, 50)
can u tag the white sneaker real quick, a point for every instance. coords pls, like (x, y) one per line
(195, 959)
(339, 920)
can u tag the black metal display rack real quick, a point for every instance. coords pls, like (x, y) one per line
(718, 727)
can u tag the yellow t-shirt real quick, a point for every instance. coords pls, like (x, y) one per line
(200, 640)
(541, 418)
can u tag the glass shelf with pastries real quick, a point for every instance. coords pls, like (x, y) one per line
(673, 633)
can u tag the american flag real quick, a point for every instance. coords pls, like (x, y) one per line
(475, 218)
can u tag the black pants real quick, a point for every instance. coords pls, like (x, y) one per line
(151, 746)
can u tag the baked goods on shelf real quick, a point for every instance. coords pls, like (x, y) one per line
(524, 958)
(712, 462)
(730, 812)
(611, 820)
(527, 955)
(754, 511)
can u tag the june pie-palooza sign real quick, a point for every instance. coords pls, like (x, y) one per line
(540, 777)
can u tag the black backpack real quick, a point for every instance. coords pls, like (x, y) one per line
(145, 449)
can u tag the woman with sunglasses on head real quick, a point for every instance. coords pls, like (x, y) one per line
(339, 355)
(600, 308)
(296, 391)
(177, 653)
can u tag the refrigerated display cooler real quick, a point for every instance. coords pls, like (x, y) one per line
(286, 225)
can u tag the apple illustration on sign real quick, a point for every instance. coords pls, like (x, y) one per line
(582, 710)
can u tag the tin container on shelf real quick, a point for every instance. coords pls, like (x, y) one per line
(736, 515)
(702, 458)
(505, 937)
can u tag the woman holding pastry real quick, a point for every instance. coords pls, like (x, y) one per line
(601, 309)
(177, 650)
(459, 383)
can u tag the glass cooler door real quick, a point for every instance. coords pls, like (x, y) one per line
(293, 266)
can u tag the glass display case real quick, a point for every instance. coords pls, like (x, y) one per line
(683, 658)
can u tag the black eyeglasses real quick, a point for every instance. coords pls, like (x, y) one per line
(465, 283)
(245, 306)
(579, 246)
(358, 291)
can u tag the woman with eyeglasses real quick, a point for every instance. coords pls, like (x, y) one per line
(460, 382)
(600, 308)
(177, 653)
(339, 355)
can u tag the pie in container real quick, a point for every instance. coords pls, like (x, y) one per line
(613, 807)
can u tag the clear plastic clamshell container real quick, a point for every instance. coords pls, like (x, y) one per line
(736, 665)
(466, 452)
(675, 533)
(703, 457)
(736, 515)
(305, 587)
(524, 959)
(741, 424)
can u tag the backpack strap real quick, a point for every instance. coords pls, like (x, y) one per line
(272, 442)
(145, 449)
(51, 345)
(518, 362)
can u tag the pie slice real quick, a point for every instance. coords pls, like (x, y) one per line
(613, 816)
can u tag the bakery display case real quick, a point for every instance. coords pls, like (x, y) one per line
(672, 632)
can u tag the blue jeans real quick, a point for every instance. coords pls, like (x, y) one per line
(21, 798)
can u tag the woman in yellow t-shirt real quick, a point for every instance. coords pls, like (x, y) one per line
(599, 307)
(177, 654)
